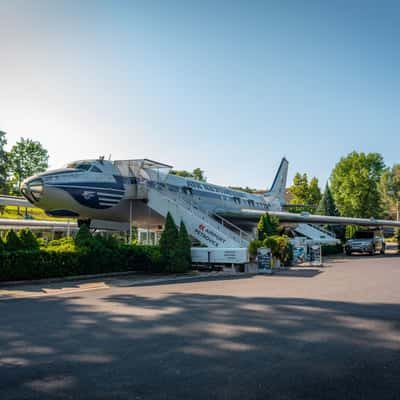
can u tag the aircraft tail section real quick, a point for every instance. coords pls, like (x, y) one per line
(278, 187)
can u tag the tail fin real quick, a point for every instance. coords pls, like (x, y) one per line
(278, 187)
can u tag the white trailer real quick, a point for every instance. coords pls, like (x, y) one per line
(222, 256)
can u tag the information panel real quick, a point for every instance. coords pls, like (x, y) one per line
(264, 260)
(315, 255)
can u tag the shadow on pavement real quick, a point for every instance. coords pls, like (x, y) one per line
(198, 346)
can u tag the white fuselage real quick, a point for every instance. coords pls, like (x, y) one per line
(97, 189)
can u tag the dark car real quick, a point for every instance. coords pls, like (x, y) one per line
(366, 242)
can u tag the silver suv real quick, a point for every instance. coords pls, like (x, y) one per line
(366, 242)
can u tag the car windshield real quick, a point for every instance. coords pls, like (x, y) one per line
(364, 235)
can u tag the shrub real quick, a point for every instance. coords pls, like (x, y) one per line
(254, 246)
(50, 263)
(182, 252)
(280, 248)
(28, 240)
(330, 249)
(83, 238)
(12, 242)
(60, 245)
(168, 242)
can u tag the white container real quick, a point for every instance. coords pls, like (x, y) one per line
(207, 255)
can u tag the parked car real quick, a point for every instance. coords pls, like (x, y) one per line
(366, 242)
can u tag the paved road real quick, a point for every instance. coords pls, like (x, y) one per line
(330, 333)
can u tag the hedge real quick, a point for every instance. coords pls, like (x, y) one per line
(38, 264)
(331, 249)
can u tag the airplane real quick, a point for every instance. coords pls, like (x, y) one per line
(98, 190)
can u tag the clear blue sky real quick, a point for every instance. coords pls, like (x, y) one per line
(229, 86)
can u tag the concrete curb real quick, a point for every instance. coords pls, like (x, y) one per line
(68, 278)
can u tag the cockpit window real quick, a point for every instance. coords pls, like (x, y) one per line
(95, 169)
(85, 166)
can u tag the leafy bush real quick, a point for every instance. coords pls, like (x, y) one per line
(280, 246)
(22, 258)
(254, 246)
(28, 240)
(12, 242)
(66, 244)
(50, 263)
(330, 249)
(83, 238)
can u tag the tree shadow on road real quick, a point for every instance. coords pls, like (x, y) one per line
(197, 346)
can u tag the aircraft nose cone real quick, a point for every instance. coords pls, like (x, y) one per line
(32, 189)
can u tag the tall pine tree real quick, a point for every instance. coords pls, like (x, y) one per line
(327, 204)
(168, 242)
(182, 254)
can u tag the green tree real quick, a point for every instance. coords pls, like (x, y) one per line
(305, 193)
(268, 225)
(198, 174)
(27, 157)
(354, 185)
(327, 204)
(299, 189)
(12, 242)
(314, 193)
(182, 252)
(3, 164)
(183, 173)
(28, 240)
(84, 237)
(168, 242)
(351, 231)
(389, 186)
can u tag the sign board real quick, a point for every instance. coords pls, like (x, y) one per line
(299, 254)
(315, 254)
(264, 260)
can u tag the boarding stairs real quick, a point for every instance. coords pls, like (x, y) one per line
(209, 229)
(316, 233)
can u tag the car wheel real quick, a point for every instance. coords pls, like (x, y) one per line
(372, 252)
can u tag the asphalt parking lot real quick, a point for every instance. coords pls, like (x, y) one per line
(307, 333)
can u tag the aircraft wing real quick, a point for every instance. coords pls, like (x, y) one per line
(15, 201)
(6, 223)
(306, 218)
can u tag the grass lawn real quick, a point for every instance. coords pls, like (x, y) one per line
(11, 212)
